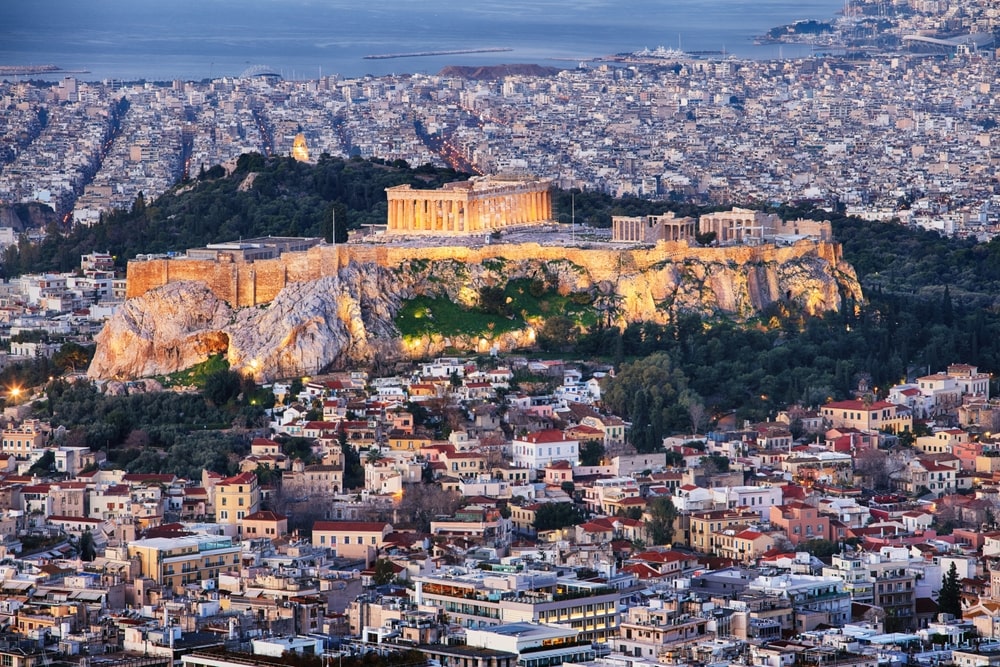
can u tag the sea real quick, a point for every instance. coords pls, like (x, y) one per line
(305, 39)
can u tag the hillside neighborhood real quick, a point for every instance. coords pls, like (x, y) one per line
(489, 509)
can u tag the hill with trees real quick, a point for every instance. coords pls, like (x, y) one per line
(275, 196)
(930, 300)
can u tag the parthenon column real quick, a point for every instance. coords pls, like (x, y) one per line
(471, 215)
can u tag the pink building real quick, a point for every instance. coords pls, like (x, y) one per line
(801, 522)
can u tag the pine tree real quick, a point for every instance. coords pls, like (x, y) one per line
(949, 599)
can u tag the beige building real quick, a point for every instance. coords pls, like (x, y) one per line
(265, 524)
(237, 498)
(707, 527)
(22, 440)
(351, 539)
(313, 480)
(743, 546)
(864, 416)
(174, 562)
(478, 206)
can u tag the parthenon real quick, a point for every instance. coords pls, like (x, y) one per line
(478, 206)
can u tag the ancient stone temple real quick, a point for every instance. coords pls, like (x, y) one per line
(653, 228)
(478, 206)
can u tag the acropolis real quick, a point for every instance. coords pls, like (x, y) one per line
(481, 205)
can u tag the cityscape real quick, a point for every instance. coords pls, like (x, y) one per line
(631, 362)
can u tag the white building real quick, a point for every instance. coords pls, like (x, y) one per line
(757, 498)
(537, 450)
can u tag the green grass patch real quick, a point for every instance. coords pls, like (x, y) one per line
(525, 299)
(424, 316)
(197, 374)
(528, 301)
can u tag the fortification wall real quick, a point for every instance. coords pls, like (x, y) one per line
(250, 284)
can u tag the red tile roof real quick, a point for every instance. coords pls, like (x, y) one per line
(355, 526)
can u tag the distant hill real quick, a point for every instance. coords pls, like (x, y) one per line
(31, 215)
(285, 198)
(486, 72)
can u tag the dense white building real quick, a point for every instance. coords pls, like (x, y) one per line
(537, 450)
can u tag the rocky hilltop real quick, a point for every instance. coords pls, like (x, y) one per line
(336, 306)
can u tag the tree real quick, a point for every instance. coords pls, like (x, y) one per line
(44, 464)
(493, 301)
(715, 463)
(88, 551)
(706, 238)
(354, 473)
(553, 516)
(422, 503)
(384, 572)
(648, 392)
(73, 357)
(877, 467)
(222, 386)
(558, 333)
(660, 524)
(950, 597)
(695, 409)
(338, 216)
(591, 453)
(819, 547)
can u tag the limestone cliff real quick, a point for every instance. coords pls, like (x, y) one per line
(335, 307)
(169, 329)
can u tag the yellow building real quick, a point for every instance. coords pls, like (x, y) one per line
(23, 440)
(407, 442)
(175, 561)
(865, 416)
(237, 498)
(707, 526)
(941, 442)
(743, 546)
